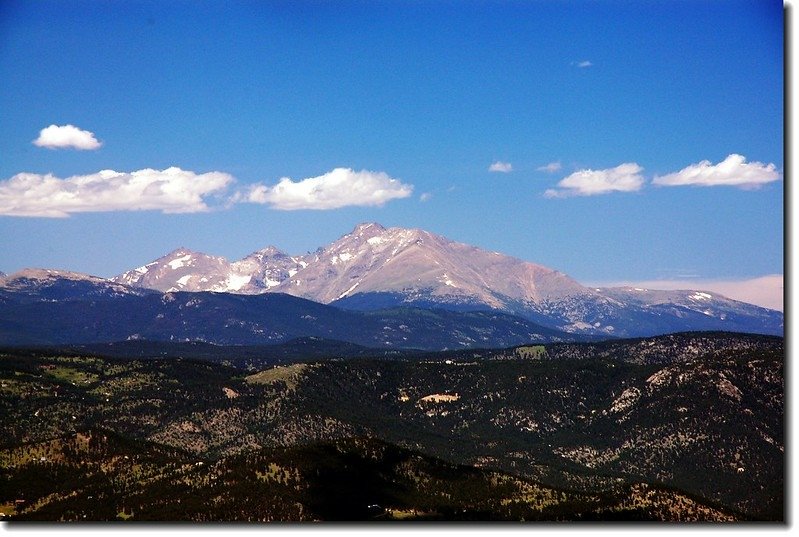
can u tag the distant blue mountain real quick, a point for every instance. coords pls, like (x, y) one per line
(48, 308)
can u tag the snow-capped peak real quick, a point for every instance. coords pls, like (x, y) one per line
(373, 258)
(179, 270)
(367, 227)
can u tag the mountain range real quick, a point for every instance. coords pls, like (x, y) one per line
(382, 288)
(375, 268)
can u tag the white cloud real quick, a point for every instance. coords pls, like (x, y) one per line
(171, 191)
(623, 178)
(502, 167)
(338, 188)
(425, 196)
(66, 136)
(583, 64)
(552, 167)
(732, 171)
(765, 291)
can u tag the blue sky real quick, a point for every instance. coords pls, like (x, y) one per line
(423, 97)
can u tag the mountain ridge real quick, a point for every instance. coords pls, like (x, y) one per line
(96, 312)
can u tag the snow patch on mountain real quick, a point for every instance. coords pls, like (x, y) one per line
(180, 262)
(234, 282)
